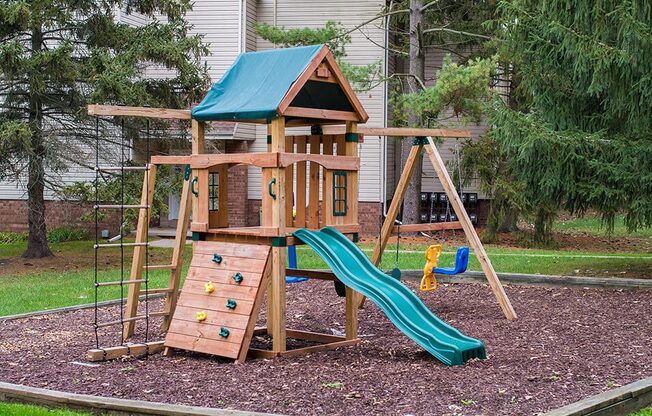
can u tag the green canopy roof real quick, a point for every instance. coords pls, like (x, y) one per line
(255, 84)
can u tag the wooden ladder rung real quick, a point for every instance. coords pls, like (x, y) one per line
(121, 282)
(96, 246)
(135, 318)
(155, 291)
(118, 206)
(160, 267)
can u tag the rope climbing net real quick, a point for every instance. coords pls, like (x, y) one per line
(113, 164)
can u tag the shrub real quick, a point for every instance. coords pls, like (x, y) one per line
(65, 233)
(10, 237)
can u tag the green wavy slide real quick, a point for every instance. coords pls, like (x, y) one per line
(397, 301)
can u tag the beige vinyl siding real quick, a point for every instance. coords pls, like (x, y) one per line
(361, 50)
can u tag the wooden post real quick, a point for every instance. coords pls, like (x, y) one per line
(289, 180)
(394, 207)
(352, 197)
(200, 216)
(327, 187)
(198, 147)
(300, 219)
(138, 261)
(313, 202)
(177, 255)
(353, 299)
(276, 307)
(471, 235)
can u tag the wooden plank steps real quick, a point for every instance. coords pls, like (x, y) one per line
(239, 275)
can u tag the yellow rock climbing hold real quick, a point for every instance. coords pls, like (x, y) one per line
(209, 287)
(201, 316)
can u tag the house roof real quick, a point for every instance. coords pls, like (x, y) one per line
(301, 83)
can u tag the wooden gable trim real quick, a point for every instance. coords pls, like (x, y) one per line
(336, 76)
(346, 87)
(299, 83)
(318, 113)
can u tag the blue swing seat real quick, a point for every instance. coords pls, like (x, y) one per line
(461, 263)
(292, 260)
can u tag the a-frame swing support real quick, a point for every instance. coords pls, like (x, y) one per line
(474, 241)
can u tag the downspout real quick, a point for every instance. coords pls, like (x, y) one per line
(240, 25)
(275, 12)
(383, 178)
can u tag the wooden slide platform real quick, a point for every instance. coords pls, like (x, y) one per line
(231, 309)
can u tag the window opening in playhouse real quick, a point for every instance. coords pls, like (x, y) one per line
(339, 193)
(213, 191)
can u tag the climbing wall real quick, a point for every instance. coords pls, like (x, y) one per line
(238, 274)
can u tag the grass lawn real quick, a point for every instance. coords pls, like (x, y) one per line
(17, 409)
(643, 412)
(594, 225)
(70, 277)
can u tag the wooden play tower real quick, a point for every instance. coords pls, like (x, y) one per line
(308, 181)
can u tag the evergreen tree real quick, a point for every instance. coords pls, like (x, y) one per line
(58, 55)
(581, 137)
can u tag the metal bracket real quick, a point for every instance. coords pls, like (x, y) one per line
(279, 241)
(420, 141)
(352, 137)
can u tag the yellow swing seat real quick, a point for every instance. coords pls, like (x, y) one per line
(429, 281)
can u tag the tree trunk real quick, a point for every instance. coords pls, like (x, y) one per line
(509, 222)
(543, 223)
(416, 69)
(37, 243)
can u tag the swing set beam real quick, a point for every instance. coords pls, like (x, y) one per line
(464, 222)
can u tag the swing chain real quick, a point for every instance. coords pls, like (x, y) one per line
(398, 242)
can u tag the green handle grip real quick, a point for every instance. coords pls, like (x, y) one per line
(271, 183)
(192, 186)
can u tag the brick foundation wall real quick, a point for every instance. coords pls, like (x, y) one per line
(238, 184)
(13, 216)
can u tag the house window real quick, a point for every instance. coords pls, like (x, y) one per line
(213, 191)
(339, 193)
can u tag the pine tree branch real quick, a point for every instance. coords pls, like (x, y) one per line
(373, 19)
(459, 32)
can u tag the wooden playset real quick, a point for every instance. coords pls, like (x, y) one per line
(309, 182)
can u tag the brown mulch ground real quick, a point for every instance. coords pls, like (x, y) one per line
(566, 345)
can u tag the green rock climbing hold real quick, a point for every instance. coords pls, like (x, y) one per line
(224, 332)
(231, 304)
(217, 258)
(238, 278)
